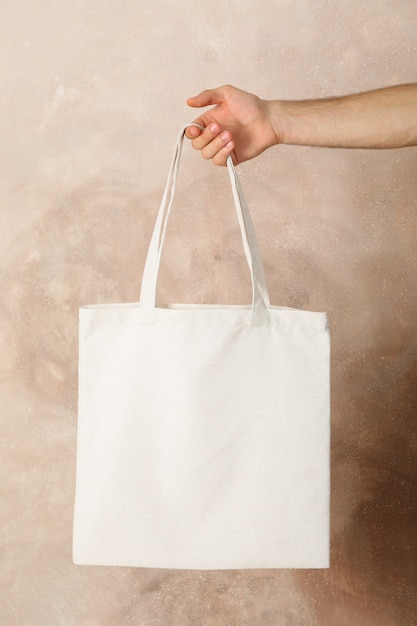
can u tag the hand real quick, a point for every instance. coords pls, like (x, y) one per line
(238, 125)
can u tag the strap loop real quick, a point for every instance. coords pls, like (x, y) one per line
(260, 297)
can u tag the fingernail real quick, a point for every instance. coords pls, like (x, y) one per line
(225, 136)
(213, 128)
(193, 131)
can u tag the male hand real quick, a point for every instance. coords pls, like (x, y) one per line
(238, 125)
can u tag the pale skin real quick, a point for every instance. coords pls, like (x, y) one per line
(243, 125)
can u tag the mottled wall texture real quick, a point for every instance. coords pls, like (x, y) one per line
(92, 96)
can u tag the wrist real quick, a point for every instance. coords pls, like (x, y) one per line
(280, 121)
(306, 122)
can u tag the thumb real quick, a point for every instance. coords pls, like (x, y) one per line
(207, 97)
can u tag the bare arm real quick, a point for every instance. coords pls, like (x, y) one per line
(244, 125)
(382, 118)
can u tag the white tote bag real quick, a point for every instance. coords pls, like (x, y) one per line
(203, 431)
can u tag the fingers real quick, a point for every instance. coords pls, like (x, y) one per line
(206, 136)
(214, 143)
(220, 157)
(212, 140)
(206, 98)
(193, 131)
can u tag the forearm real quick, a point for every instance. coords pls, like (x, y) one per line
(382, 118)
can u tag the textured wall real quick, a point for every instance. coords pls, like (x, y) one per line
(92, 97)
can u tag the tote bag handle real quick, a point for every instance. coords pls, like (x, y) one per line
(260, 297)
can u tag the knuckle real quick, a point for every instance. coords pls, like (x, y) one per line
(224, 137)
(198, 143)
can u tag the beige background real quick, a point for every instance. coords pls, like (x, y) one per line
(92, 97)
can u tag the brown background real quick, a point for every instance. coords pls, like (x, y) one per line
(92, 97)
